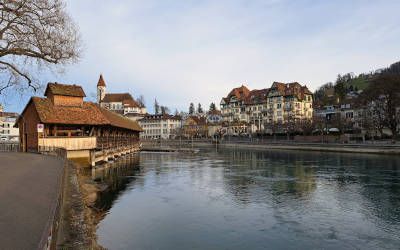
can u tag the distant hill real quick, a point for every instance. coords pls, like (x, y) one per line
(360, 82)
(349, 83)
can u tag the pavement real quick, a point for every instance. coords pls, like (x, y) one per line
(29, 185)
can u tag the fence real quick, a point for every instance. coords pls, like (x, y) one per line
(9, 147)
(49, 236)
(55, 151)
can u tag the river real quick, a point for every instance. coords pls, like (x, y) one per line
(241, 199)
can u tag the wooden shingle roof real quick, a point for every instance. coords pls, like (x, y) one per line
(87, 114)
(119, 121)
(64, 89)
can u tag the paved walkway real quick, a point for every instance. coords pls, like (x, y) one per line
(28, 188)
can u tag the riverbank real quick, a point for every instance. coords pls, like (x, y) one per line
(78, 219)
(391, 149)
(340, 148)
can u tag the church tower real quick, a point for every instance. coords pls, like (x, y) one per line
(101, 89)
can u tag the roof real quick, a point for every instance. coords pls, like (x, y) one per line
(131, 103)
(101, 82)
(291, 89)
(240, 93)
(87, 114)
(8, 114)
(214, 112)
(117, 97)
(257, 96)
(198, 120)
(64, 89)
(119, 121)
(149, 117)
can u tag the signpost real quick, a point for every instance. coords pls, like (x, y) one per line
(40, 130)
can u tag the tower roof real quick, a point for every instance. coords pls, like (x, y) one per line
(101, 81)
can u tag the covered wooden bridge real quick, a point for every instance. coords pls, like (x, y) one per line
(84, 129)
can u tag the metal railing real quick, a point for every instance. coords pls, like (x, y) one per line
(9, 147)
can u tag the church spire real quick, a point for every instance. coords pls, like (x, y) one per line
(101, 81)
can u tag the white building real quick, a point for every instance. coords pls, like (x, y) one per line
(122, 103)
(7, 130)
(160, 126)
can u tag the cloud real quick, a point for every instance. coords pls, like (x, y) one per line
(184, 51)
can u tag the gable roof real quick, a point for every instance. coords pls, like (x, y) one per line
(291, 89)
(64, 89)
(101, 82)
(87, 114)
(117, 97)
(240, 93)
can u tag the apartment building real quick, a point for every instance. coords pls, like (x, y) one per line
(259, 109)
(160, 126)
(7, 130)
(233, 106)
(287, 102)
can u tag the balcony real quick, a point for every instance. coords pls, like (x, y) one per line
(69, 143)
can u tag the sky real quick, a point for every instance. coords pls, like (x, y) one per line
(197, 51)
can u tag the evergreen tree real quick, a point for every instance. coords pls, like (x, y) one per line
(199, 109)
(156, 107)
(191, 109)
(340, 88)
(213, 107)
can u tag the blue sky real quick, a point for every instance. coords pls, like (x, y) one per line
(196, 51)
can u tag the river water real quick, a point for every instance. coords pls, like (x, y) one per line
(239, 199)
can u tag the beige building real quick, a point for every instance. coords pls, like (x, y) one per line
(260, 109)
(289, 101)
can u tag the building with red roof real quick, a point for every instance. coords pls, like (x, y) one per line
(121, 103)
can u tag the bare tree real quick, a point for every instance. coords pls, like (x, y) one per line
(383, 98)
(164, 110)
(141, 101)
(34, 33)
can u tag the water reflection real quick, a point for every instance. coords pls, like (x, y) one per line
(235, 199)
(116, 178)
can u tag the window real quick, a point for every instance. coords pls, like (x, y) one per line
(349, 115)
(279, 105)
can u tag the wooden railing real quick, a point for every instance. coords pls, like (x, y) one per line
(69, 143)
(55, 151)
(110, 142)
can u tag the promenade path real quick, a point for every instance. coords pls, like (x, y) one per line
(29, 185)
